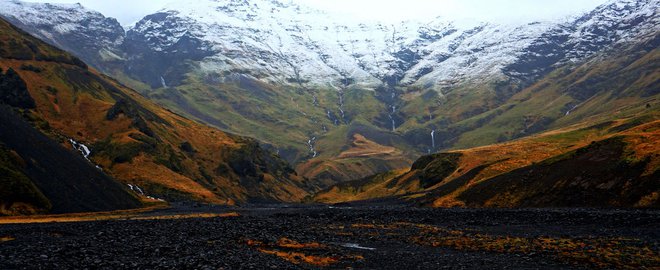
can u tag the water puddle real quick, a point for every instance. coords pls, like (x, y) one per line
(357, 246)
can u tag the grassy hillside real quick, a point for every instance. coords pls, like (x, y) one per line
(288, 118)
(137, 142)
(613, 163)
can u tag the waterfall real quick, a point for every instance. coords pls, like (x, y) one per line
(341, 106)
(393, 122)
(310, 143)
(332, 118)
(138, 190)
(433, 139)
(162, 81)
(83, 149)
(570, 110)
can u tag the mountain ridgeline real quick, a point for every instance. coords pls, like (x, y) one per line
(346, 100)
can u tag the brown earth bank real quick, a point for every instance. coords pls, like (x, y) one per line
(362, 237)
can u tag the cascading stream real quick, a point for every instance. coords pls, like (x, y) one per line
(341, 105)
(433, 139)
(162, 81)
(310, 144)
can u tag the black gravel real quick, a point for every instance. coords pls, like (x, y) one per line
(220, 243)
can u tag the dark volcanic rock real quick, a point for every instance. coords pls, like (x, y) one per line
(360, 237)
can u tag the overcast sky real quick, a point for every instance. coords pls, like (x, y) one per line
(129, 11)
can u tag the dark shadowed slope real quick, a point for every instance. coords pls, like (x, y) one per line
(68, 181)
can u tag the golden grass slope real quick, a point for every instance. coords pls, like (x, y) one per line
(641, 135)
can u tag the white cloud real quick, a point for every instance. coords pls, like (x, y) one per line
(129, 11)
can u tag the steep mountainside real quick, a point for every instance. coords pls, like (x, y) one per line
(343, 98)
(156, 153)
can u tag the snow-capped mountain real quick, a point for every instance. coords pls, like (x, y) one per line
(285, 43)
(613, 23)
(281, 42)
(86, 33)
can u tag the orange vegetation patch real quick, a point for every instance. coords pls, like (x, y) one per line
(618, 253)
(362, 147)
(299, 257)
(133, 214)
(297, 253)
(76, 217)
(6, 239)
(283, 249)
(186, 216)
(643, 141)
(288, 243)
(598, 252)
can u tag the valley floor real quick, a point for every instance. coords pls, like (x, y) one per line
(363, 237)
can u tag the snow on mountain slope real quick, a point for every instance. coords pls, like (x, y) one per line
(281, 42)
(88, 33)
(288, 43)
(613, 23)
